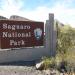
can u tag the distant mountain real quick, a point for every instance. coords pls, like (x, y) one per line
(19, 18)
(15, 17)
(3, 18)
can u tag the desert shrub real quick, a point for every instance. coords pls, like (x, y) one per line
(70, 58)
(58, 60)
(48, 62)
(67, 60)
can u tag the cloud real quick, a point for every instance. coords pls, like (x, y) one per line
(12, 4)
(39, 14)
(60, 9)
(10, 7)
(64, 14)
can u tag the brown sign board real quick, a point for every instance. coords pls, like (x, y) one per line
(19, 34)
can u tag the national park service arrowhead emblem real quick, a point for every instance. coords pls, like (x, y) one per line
(38, 33)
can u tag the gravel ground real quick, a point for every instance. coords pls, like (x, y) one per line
(22, 70)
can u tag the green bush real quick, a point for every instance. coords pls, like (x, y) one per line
(58, 60)
(55, 62)
(48, 62)
(70, 58)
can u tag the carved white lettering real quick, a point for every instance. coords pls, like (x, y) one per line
(15, 34)
(4, 34)
(17, 43)
(14, 27)
(4, 26)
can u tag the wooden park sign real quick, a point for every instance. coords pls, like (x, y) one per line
(18, 34)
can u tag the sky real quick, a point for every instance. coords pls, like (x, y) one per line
(38, 10)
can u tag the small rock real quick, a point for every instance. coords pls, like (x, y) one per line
(39, 66)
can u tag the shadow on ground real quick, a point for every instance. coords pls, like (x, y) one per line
(19, 63)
